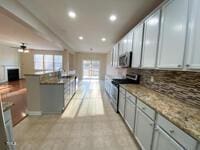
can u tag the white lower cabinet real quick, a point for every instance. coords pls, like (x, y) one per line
(9, 129)
(198, 148)
(144, 128)
(151, 129)
(129, 115)
(121, 103)
(162, 141)
(184, 140)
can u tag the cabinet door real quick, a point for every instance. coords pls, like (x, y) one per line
(116, 55)
(198, 147)
(9, 131)
(137, 45)
(125, 44)
(144, 129)
(173, 34)
(130, 41)
(150, 43)
(162, 141)
(130, 114)
(111, 57)
(120, 47)
(121, 104)
(193, 50)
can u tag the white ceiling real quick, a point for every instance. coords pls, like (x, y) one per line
(13, 33)
(92, 20)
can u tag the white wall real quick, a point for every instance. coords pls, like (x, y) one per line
(8, 57)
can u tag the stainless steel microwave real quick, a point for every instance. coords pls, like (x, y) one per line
(125, 59)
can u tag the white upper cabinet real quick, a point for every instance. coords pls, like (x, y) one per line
(173, 34)
(116, 56)
(193, 43)
(130, 41)
(121, 44)
(137, 45)
(125, 44)
(150, 43)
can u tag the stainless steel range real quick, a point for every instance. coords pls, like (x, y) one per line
(114, 91)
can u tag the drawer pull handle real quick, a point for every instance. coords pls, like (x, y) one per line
(156, 129)
(151, 124)
(171, 131)
(143, 108)
(187, 65)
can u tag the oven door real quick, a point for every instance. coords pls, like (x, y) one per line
(114, 96)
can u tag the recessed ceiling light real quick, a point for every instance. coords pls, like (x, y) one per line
(80, 38)
(72, 14)
(113, 17)
(103, 39)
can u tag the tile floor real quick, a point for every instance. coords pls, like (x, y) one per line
(88, 123)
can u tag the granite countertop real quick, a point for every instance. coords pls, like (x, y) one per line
(7, 105)
(39, 73)
(56, 80)
(184, 116)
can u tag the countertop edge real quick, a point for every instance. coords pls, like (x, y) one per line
(196, 137)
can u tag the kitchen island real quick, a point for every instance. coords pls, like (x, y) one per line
(48, 93)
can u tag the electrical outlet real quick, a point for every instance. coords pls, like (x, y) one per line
(152, 79)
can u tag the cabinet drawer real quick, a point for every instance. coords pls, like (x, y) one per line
(131, 97)
(146, 109)
(181, 137)
(122, 90)
(7, 116)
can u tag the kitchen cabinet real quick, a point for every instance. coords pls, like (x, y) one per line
(9, 127)
(173, 34)
(193, 41)
(130, 41)
(115, 55)
(121, 44)
(107, 84)
(129, 116)
(144, 128)
(150, 43)
(173, 132)
(125, 44)
(162, 141)
(137, 45)
(56, 97)
(122, 101)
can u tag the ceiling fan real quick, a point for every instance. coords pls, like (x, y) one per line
(23, 48)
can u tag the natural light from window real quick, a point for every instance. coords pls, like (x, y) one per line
(48, 62)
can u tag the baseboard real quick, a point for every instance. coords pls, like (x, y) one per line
(34, 113)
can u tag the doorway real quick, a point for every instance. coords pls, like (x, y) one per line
(91, 69)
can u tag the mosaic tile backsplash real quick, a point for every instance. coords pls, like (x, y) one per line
(184, 86)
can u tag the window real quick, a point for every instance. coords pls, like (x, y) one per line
(38, 62)
(57, 62)
(48, 62)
